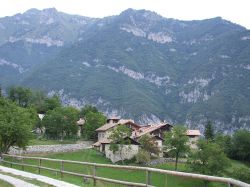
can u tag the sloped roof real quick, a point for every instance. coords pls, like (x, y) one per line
(193, 133)
(104, 141)
(149, 129)
(111, 125)
(106, 126)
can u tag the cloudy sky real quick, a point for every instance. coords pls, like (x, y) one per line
(237, 11)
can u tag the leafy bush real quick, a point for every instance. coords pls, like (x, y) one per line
(142, 157)
(243, 174)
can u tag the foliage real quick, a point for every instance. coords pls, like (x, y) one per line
(242, 174)
(16, 124)
(149, 144)
(209, 159)
(118, 138)
(176, 142)
(20, 95)
(142, 157)
(61, 122)
(93, 120)
(38, 101)
(209, 131)
(184, 69)
(87, 109)
(225, 143)
(241, 145)
(52, 103)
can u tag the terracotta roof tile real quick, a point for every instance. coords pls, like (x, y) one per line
(193, 133)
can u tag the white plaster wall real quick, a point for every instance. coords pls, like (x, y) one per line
(193, 142)
(128, 152)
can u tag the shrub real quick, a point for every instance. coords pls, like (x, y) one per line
(243, 174)
(142, 157)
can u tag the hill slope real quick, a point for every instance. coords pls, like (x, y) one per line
(143, 66)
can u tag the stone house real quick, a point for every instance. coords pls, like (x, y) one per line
(193, 136)
(105, 131)
(156, 131)
(124, 152)
(129, 151)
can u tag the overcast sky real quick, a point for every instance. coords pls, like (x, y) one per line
(237, 11)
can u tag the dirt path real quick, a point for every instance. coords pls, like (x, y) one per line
(41, 178)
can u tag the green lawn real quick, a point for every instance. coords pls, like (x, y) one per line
(158, 180)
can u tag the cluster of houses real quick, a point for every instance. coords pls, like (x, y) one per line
(156, 131)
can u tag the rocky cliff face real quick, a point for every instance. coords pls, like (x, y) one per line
(137, 64)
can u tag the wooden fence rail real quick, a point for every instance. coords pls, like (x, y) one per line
(231, 182)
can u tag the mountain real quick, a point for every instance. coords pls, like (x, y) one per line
(137, 64)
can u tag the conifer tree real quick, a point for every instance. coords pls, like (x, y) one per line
(209, 132)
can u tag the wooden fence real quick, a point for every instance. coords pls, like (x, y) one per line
(148, 171)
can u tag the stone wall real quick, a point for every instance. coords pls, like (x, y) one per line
(59, 148)
(128, 152)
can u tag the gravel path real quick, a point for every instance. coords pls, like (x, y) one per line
(54, 182)
(16, 182)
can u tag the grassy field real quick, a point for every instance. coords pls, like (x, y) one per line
(158, 180)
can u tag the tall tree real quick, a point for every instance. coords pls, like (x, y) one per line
(87, 109)
(60, 123)
(209, 159)
(176, 142)
(20, 95)
(38, 101)
(118, 139)
(52, 103)
(225, 143)
(93, 120)
(209, 131)
(241, 145)
(16, 124)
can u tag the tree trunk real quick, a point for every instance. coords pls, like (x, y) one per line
(176, 160)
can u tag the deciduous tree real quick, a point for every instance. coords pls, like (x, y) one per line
(209, 159)
(149, 144)
(16, 124)
(118, 139)
(61, 122)
(20, 95)
(176, 142)
(93, 120)
(241, 145)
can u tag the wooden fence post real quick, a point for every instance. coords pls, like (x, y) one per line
(166, 180)
(40, 163)
(148, 178)
(62, 168)
(94, 175)
(22, 164)
(230, 185)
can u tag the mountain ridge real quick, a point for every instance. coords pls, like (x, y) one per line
(142, 66)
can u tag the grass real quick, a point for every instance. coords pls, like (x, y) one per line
(5, 184)
(158, 180)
